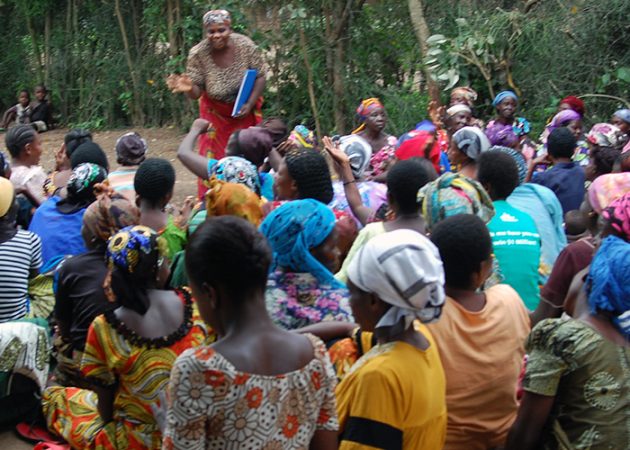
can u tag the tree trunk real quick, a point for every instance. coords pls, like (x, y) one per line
(36, 50)
(421, 28)
(47, 28)
(310, 82)
(137, 113)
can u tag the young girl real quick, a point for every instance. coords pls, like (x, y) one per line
(27, 175)
(19, 114)
(154, 183)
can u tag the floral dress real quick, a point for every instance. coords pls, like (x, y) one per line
(138, 368)
(214, 406)
(295, 300)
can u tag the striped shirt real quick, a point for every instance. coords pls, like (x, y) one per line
(18, 256)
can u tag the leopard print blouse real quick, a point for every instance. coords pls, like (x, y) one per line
(223, 83)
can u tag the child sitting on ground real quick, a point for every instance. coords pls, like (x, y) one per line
(41, 115)
(19, 114)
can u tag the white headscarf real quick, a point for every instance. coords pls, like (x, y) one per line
(403, 268)
(359, 152)
(459, 107)
(471, 141)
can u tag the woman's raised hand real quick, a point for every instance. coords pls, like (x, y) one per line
(335, 151)
(179, 83)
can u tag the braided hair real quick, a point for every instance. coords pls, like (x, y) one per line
(310, 171)
(17, 138)
(154, 180)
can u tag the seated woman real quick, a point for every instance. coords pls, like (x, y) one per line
(373, 118)
(404, 180)
(20, 258)
(481, 335)
(131, 151)
(369, 193)
(58, 222)
(508, 130)
(301, 289)
(466, 146)
(222, 199)
(621, 119)
(258, 386)
(129, 352)
(154, 183)
(576, 381)
(245, 152)
(79, 296)
(394, 396)
(58, 179)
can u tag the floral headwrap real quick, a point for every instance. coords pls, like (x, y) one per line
(365, 109)
(293, 229)
(217, 16)
(80, 187)
(109, 213)
(469, 95)
(607, 188)
(618, 216)
(607, 284)
(605, 135)
(453, 194)
(502, 96)
(231, 199)
(302, 136)
(133, 257)
(234, 169)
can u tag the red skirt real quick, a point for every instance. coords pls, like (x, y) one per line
(219, 114)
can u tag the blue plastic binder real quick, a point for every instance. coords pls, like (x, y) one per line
(247, 86)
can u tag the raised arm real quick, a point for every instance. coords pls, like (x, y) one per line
(183, 84)
(353, 196)
(186, 153)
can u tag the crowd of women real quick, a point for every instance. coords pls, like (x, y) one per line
(462, 286)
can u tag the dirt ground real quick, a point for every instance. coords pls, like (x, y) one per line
(163, 143)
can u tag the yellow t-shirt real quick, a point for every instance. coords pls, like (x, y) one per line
(482, 354)
(394, 397)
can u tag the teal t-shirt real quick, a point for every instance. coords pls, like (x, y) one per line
(516, 244)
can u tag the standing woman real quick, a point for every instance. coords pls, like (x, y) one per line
(371, 114)
(214, 72)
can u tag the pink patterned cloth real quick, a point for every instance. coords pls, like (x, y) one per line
(381, 159)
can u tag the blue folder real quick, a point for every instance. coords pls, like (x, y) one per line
(247, 86)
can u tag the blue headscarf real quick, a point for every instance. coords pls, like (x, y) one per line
(293, 229)
(502, 96)
(607, 282)
(623, 114)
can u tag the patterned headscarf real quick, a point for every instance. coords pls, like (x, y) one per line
(359, 152)
(402, 268)
(518, 158)
(80, 187)
(607, 284)
(453, 194)
(302, 136)
(575, 103)
(133, 257)
(293, 229)
(234, 169)
(502, 96)
(217, 16)
(606, 135)
(231, 199)
(607, 188)
(109, 213)
(623, 114)
(471, 141)
(365, 109)
(468, 94)
(618, 216)
(501, 134)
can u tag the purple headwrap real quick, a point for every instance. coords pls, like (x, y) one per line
(562, 119)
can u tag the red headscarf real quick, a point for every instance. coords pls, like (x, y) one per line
(575, 103)
(420, 144)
